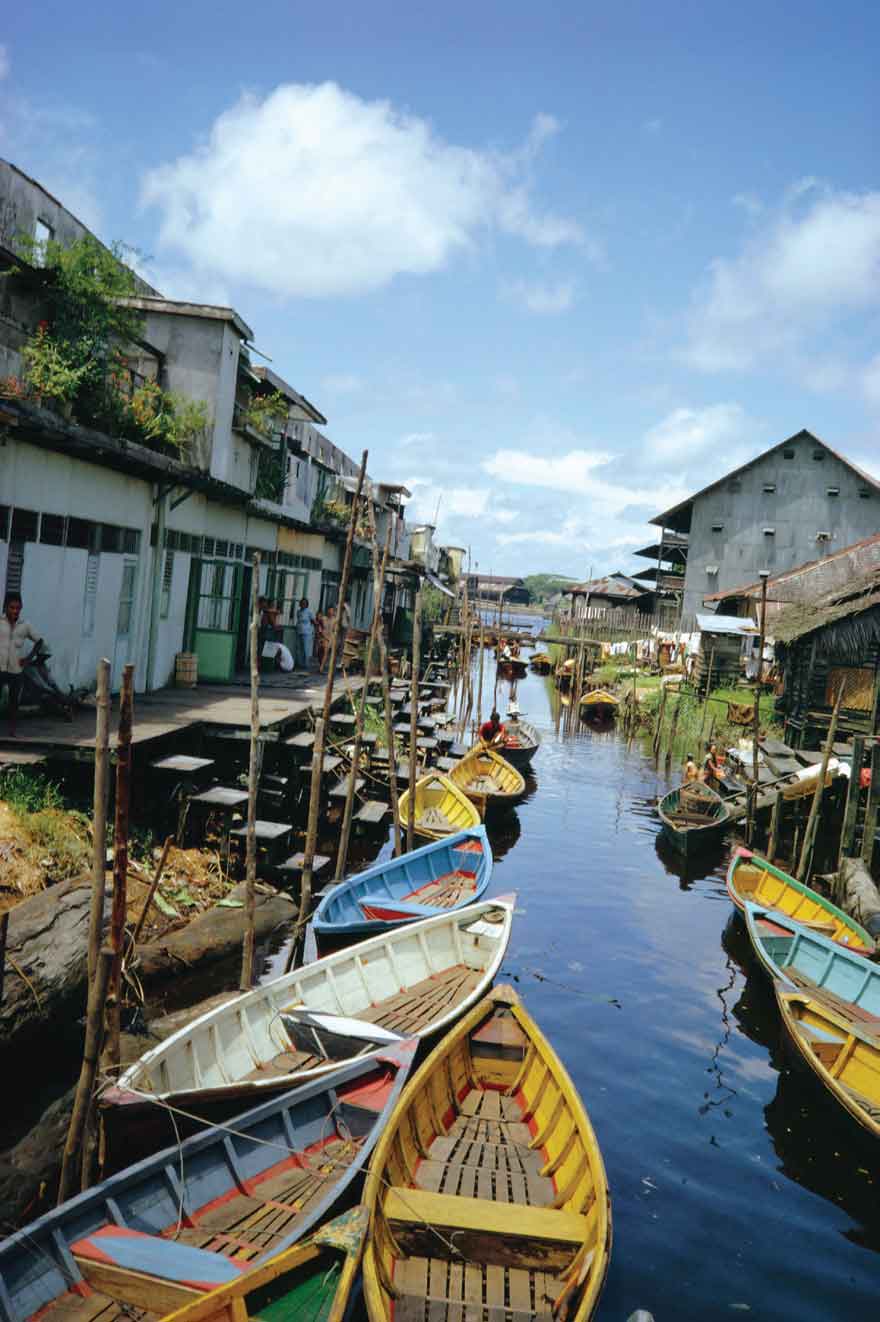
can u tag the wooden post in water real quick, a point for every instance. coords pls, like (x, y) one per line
(294, 957)
(659, 730)
(672, 730)
(248, 944)
(813, 820)
(414, 718)
(871, 807)
(706, 700)
(99, 810)
(70, 1165)
(386, 691)
(110, 1059)
(480, 682)
(775, 826)
(848, 832)
(757, 715)
(345, 833)
(343, 591)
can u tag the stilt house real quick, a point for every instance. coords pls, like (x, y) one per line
(822, 644)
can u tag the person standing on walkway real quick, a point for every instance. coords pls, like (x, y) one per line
(329, 626)
(14, 635)
(305, 634)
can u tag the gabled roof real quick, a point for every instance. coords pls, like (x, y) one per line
(609, 585)
(669, 516)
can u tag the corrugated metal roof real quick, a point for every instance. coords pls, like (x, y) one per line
(724, 624)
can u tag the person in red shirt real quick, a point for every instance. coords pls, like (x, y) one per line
(492, 732)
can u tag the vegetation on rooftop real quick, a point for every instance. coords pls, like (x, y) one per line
(82, 357)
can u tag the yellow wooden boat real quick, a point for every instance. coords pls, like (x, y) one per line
(542, 662)
(599, 702)
(839, 1042)
(440, 808)
(488, 1186)
(752, 879)
(311, 1280)
(486, 778)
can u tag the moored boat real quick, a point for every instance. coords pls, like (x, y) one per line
(488, 1182)
(487, 778)
(804, 959)
(162, 1233)
(842, 1050)
(440, 877)
(542, 662)
(752, 878)
(598, 704)
(521, 741)
(694, 816)
(412, 981)
(440, 808)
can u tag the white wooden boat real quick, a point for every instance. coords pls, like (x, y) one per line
(413, 981)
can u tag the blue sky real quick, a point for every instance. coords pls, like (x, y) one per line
(554, 266)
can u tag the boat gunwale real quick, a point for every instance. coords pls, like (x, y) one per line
(715, 824)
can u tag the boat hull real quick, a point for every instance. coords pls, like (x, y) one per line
(486, 765)
(438, 800)
(403, 890)
(751, 878)
(520, 754)
(494, 1080)
(804, 959)
(689, 840)
(427, 974)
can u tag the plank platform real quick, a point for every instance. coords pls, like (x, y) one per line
(412, 1009)
(372, 813)
(221, 796)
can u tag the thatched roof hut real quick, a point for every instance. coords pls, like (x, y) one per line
(822, 644)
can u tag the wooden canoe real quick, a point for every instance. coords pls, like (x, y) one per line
(413, 981)
(842, 1051)
(488, 1183)
(806, 960)
(752, 878)
(693, 817)
(162, 1233)
(599, 704)
(542, 662)
(313, 1280)
(486, 777)
(521, 742)
(440, 808)
(440, 877)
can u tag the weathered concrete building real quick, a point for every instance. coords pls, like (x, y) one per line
(136, 550)
(798, 501)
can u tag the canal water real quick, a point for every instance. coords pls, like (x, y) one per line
(736, 1187)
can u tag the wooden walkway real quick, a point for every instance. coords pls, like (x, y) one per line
(168, 712)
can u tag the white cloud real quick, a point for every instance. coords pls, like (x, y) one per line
(417, 438)
(4, 62)
(687, 433)
(541, 297)
(432, 499)
(813, 263)
(871, 381)
(313, 191)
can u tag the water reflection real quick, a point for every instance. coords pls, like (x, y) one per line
(724, 1091)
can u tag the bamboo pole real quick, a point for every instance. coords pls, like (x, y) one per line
(294, 957)
(775, 826)
(672, 729)
(870, 825)
(345, 833)
(154, 886)
(343, 590)
(110, 1059)
(82, 1101)
(248, 942)
(414, 719)
(756, 729)
(4, 930)
(848, 833)
(659, 730)
(813, 819)
(99, 810)
(480, 683)
(706, 699)
(386, 695)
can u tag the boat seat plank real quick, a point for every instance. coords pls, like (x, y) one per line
(286, 1062)
(487, 1104)
(412, 1010)
(485, 1156)
(488, 1131)
(868, 1024)
(505, 1234)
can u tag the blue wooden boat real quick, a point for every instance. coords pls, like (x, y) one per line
(801, 958)
(440, 877)
(166, 1231)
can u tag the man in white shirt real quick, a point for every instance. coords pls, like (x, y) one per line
(346, 616)
(14, 635)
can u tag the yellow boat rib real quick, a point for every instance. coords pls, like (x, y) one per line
(440, 807)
